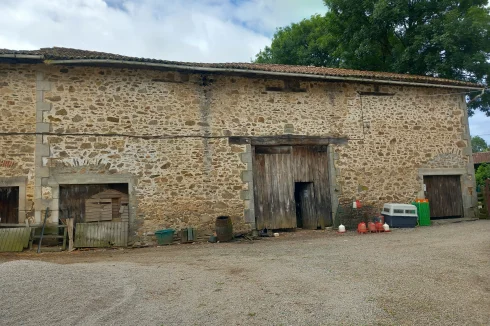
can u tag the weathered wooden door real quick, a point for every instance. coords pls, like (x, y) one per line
(275, 207)
(310, 164)
(278, 170)
(9, 205)
(444, 195)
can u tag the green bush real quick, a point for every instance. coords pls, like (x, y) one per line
(482, 174)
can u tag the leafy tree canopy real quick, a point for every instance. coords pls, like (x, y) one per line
(482, 174)
(478, 144)
(444, 38)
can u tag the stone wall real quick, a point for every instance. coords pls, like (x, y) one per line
(412, 129)
(17, 116)
(170, 131)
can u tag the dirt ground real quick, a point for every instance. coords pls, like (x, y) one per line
(436, 275)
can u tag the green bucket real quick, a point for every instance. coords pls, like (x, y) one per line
(165, 237)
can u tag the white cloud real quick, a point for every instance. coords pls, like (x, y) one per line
(267, 15)
(186, 30)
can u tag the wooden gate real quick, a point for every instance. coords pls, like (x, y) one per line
(291, 187)
(101, 234)
(444, 195)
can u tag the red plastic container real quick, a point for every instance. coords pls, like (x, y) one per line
(379, 227)
(361, 228)
(371, 227)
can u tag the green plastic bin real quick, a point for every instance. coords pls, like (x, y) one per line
(165, 237)
(423, 211)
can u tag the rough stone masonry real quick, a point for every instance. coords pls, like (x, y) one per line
(74, 125)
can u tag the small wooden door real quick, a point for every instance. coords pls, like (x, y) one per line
(306, 214)
(444, 195)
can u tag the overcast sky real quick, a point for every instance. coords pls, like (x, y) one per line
(182, 30)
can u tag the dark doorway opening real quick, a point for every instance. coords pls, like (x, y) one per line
(9, 205)
(73, 198)
(305, 205)
(444, 195)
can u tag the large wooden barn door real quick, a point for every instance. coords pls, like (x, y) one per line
(444, 195)
(274, 188)
(291, 187)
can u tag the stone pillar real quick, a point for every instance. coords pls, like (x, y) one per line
(335, 188)
(248, 195)
(42, 151)
(468, 182)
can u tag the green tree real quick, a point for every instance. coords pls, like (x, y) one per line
(482, 174)
(478, 144)
(306, 43)
(444, 38)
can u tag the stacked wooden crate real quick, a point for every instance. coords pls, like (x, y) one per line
(108, 205)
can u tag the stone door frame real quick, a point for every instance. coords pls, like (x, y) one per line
(55, 181)
(248, 196)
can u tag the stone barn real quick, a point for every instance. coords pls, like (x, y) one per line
(272, 146)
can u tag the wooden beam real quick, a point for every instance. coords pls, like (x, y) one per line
(376, 94)
(287, 140)
(273, 150)
(70, 223)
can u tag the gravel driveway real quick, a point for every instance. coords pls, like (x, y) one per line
(435, 275)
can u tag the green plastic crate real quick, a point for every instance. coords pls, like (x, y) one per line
(165, 237)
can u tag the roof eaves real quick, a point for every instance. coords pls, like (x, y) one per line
(228, 69)
(21, 56)
(60, 55)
